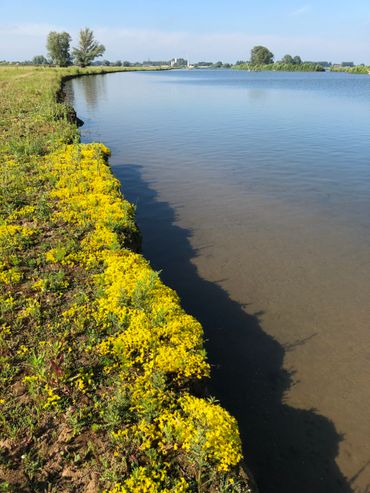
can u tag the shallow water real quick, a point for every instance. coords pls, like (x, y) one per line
(252, 193)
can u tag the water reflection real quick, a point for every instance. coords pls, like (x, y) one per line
(257, 94)
(93, 88)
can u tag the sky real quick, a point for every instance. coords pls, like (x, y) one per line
(199, 30)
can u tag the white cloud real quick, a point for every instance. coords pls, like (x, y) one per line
(301, 11)
(23, 41)
(32, 30)
(26, 40)
(142, 44)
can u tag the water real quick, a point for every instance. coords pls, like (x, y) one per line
(252, 193)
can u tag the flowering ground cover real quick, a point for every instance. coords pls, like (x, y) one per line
(97, 358)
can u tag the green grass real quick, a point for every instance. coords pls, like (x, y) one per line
(32, 121)
(352, 70)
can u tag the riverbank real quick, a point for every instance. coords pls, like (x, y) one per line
(303, 67)
(359, 69)
(282, 170)
(99, 363)
(281, 67)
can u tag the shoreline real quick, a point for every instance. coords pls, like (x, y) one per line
(201, 389)
(193, 252)
(304, 68)
(84, 350)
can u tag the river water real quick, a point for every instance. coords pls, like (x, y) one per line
(252, 194)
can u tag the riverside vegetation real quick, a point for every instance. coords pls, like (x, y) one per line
(98, 361)
(281, 67)
(357, 69)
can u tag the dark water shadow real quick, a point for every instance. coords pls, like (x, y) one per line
(289, 450)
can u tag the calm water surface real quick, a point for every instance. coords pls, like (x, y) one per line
(252, 192)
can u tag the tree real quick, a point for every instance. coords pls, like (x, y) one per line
(287, 59)
(39, 60)
(260, 55)
(88, 48)
(297, 60)
(58, 48)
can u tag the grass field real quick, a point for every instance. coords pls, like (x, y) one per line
(97, 358)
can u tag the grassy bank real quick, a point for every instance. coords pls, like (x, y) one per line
(352, 70)
(97, 358)
(281, 67)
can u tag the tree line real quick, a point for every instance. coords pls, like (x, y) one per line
(261, 58)
(88, 49)
(260, 55)
(59, 49)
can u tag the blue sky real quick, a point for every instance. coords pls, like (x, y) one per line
(335, 30)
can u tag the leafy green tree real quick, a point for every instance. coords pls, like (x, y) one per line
(181, 62)
(297, 60)
(39, 60)
(88, 48)
(260, 55)
(58, 45)
(287, 59)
